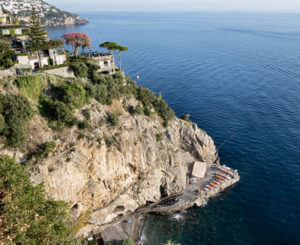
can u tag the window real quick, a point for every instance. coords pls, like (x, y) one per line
(18, 31)
(5, 32)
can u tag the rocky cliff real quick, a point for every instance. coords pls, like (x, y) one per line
(106, 172)
(50, 15)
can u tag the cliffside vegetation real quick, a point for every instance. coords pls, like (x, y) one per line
(107, 88)
(15, 112)
(58, 101)
(6, 55)
(27, 215)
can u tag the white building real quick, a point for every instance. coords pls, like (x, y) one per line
(106, 63)
(48, 57)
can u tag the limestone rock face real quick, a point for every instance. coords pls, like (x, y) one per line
(110, 171)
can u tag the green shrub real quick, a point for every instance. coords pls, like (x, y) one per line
(165, 123)
(84, 124)
(6, 55)
(119, 76)
(145, 96)
(92, 64)
(185, 117)
(80, 136)
(72, 94)
(139, 109)
(29, 69)
(147, 111)
(2, 123)
(108, 142)
(68, 97)
(90, 90)
(159, 96)
(74, 122)
(50, 62)
(129, 241)
(158, 137)
(45, 149)
(113, 118)
(163, 109)
(80, 69)
(57, 111)
(16, 111)
(107, 88)
(27, 214)
(81, 222)
(101, 94)
(87, 114)
(15, 135)
(30, 86)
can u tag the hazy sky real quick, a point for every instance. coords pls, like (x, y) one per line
(179, 5)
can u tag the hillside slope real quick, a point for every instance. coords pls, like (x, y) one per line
(50, 15)
(115, 164)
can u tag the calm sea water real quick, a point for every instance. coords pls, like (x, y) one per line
(236, 75)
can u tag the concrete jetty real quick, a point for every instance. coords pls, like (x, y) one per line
(199, 190)
(211, 180)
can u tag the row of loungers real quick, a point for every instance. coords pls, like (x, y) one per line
(220, 177)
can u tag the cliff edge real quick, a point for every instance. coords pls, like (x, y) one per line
(109, 170)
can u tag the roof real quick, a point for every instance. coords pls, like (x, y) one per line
(199, 169)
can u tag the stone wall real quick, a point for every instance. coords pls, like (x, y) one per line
(7, 72)
(63, 72)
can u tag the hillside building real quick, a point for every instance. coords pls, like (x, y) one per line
(16, 34)
(106, 62)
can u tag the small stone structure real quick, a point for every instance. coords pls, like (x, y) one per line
(32, 61)
(113, 234)
(8, 72)
(63, 72)
(199, 169)
(106, 62)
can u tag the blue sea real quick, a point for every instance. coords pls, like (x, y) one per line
(238, 76)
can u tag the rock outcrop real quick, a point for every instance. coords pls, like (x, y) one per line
(106, 172)
(50, 15)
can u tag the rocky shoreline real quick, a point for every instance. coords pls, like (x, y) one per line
(50, 15)
(196, 194)
(112, 175)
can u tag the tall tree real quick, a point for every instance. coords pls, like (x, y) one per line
(37, 35)
(116, 48)
(77, 40)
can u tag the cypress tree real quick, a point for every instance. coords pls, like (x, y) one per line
(37, 35)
